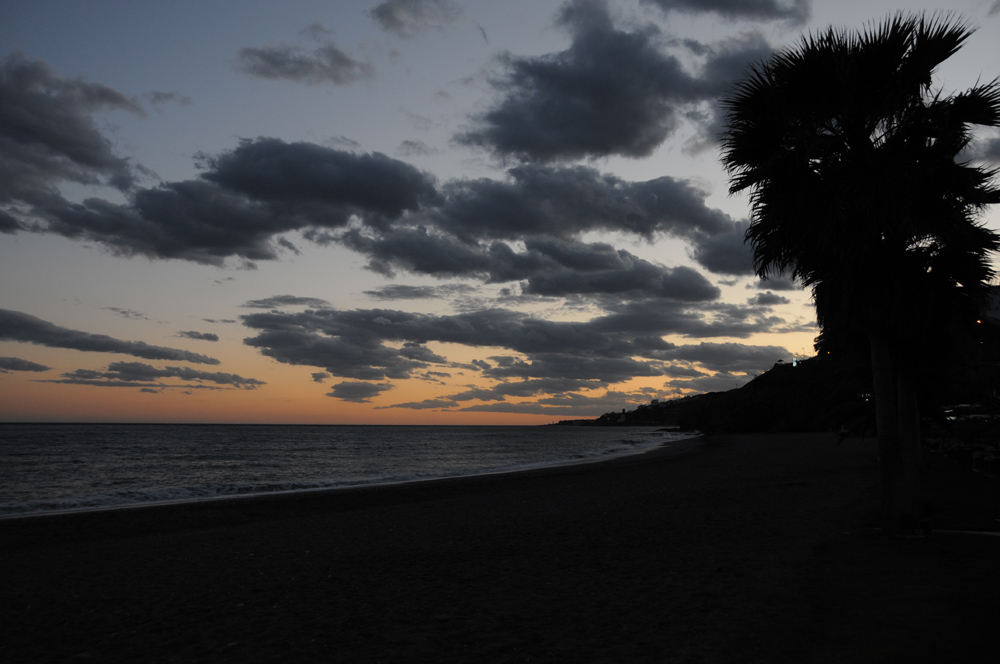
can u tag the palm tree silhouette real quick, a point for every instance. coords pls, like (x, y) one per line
(857, 191)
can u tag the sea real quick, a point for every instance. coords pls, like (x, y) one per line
(48, 468)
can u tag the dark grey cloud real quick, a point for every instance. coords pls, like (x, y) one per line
(575, 366)
(48, 134)
(149, 388)
(544, 207)
(794, 11)
(725, 252)
(278, 301)
(535, 386)
(651, 319)
(325, 64)
(612, 92)
(426, 404)
(317, 183)
(8, 364)
(380, 344)
(566, 201)
(632, 277)
(244, 200)
(356, 344)
(719, 382)
(358, 392)
(128, 374)
(200, 336)
(248, 199)
(549, 268)
(8, 224)
(729, 357)
(767, 299)
(424, 251)
(776, 282)
(563, 402)
(406, 18)
(320, 376)
(18, 326)
(567, 405)
(405, 292)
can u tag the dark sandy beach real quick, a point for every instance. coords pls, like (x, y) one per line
(749, 549)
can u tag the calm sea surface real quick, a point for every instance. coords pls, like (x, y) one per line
(57, 467)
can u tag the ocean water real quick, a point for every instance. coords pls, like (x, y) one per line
(60, 467)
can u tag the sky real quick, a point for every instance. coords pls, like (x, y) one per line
(396, 212)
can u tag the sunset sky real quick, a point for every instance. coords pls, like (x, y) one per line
(404, 212)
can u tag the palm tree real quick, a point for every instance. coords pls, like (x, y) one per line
(857, 191)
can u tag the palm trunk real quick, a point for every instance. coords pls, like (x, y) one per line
(898, 440)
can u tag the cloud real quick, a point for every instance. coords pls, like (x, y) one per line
(986, 150)
(726, 252)
(411, 148)
(720, 382)
(795, 12)
(405, 18)
(631, 277)
(380, 344)
(767, 299)
(575, 366)
(326, 64)
(406, 292)
(249, 198)
(650, 319)
(315, 31)
(566, 405)
(48, 134)
(244, 199)
(317, 182)
(550, 268)
(729, 357)
(358, 392)
(8, 224)
(278, 301)
(320, 376)
(17, 326)
(159, 99)
(776, 282)
(201, 336)
(566, 201)
(130, 374)
(426, 404)
(8, 364)
(612, 92)
(131, 314)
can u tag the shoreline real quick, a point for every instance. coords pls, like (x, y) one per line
(757, 548)
(685, 444)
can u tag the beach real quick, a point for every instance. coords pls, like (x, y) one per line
(751, 548)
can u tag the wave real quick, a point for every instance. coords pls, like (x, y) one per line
(205, 492)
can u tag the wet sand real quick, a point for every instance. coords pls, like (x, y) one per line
(757, 548)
